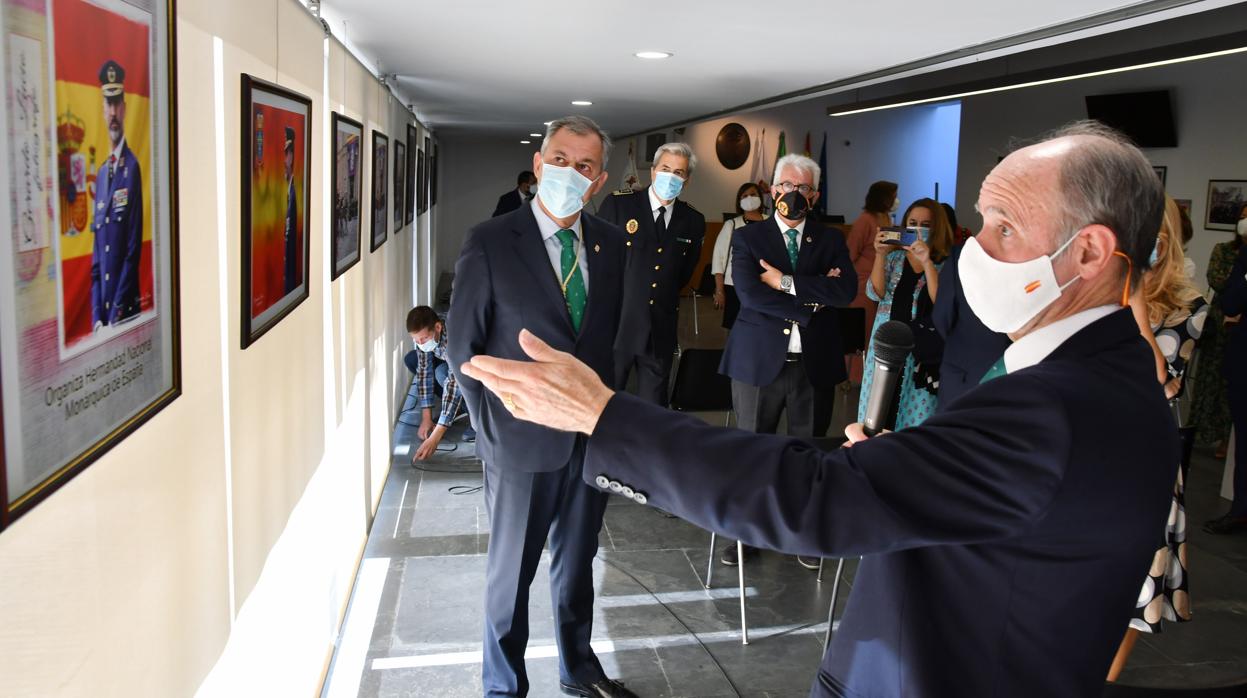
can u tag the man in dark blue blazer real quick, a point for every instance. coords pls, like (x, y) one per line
(664, 236)
(520, 195)
(550, 267)
(969, 347)
(1234, 302)
(1004, 537)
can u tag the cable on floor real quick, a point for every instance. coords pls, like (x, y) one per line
(679, 620)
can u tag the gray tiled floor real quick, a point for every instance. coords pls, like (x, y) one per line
(657, 626)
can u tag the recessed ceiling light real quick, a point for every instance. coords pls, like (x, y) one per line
(525, 142)
(535, 135)
(653, 55)
(582, 102)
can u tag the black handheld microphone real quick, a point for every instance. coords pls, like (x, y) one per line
(893, 342)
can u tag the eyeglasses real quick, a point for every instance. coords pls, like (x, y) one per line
(789, 187)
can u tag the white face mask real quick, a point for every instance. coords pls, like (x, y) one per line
(1006, 295)
(896, 203)
(751, 203)
(1242, 227)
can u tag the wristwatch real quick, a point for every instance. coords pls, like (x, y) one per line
(785, 283)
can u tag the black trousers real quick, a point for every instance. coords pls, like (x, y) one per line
(524, 509)
(1237, 391)
(653, 375)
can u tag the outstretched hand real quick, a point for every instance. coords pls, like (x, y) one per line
(555, 389)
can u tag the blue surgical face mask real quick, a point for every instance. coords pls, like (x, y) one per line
(924, 233)
(562, 190)
(1152, 259)
(667, 186)
(428, 346)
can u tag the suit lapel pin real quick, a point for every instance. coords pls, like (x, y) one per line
(632, 226)
(597, 248)
(809, 239)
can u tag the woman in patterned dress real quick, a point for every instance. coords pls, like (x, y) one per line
(905, 281)
(1171, 314)
(1210, 409)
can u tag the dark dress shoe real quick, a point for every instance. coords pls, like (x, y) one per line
(729, 554)
(1227, 524)
(604, 688)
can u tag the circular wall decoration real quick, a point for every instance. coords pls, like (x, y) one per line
(732, 145)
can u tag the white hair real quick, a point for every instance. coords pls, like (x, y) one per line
(679, 149)
(797, 162)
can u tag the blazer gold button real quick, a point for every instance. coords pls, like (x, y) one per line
(787, 330)
(657, 267)
(651, 301)
(654, 285)
(659, 250)
(629, 243)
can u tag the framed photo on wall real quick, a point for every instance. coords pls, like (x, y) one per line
(433, 178)
(1161, 172)
(409, 196)
(1226, 198)
(426, 189)
(400, 183)
(421, 184)
(347, 179)
(276, 175)
(380, 187)
(89, 326)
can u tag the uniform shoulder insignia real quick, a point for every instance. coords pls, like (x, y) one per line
(622, 192)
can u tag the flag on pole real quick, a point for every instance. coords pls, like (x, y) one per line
(782, 150)
(758, 172)
(821, 208)
(630, 178)
(806, 152)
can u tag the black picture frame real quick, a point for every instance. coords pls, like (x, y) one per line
(347, 198)
(400, 184)
(433, 177)
(379, 221)
(257, 93)
(409, 198)
(1162, 172)
(421, 184)
(1226, 198)
(68, 454)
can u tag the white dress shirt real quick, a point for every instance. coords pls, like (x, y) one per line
(721, 259)
(554, 248)
(794, 339)
(655, 202)
(1037, 345)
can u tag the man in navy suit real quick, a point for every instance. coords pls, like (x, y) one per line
(664, 236)
(551, 267)
(118, 222)
(784, 351)
(969, 347)
(1234, 302)
(520, 195)
(1004, 537)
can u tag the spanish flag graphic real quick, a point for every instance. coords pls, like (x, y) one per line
(101, 57)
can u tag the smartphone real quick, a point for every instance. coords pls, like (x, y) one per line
(901, 237)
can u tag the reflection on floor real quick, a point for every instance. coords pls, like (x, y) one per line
(415, 621)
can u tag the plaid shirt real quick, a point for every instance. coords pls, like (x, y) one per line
(452, 398)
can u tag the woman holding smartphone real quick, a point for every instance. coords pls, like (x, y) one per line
(905, 280)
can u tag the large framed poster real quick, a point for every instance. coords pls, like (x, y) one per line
(409, 196)
(380, 188)
(276, 173)
(422, 184)
(89, 329)
(433, 177)
(400, 183)
(348, 180)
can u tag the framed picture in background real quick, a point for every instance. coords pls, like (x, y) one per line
(400, 183)
(409, 194)
(433, 177)
(89, 325)
(276, 173)
(1162, 172)
(421, 184)
(1226, 198)
(379, 223)
(347, 178)
(425, 190)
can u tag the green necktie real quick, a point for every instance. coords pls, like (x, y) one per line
(997, 370)
(572, 281)
(792, 248)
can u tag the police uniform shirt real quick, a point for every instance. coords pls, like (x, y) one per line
(655, 202)
(794, 339)
(554, 248)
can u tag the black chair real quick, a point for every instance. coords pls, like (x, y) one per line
(699, 387)
(704, 288)
(1116, 690)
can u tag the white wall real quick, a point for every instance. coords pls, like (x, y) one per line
(1211, 124)
(220, 540)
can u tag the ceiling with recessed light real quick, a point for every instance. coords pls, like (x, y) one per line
(505, 67)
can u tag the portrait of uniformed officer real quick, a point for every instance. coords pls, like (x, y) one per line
(118, 220)
(292, 218)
